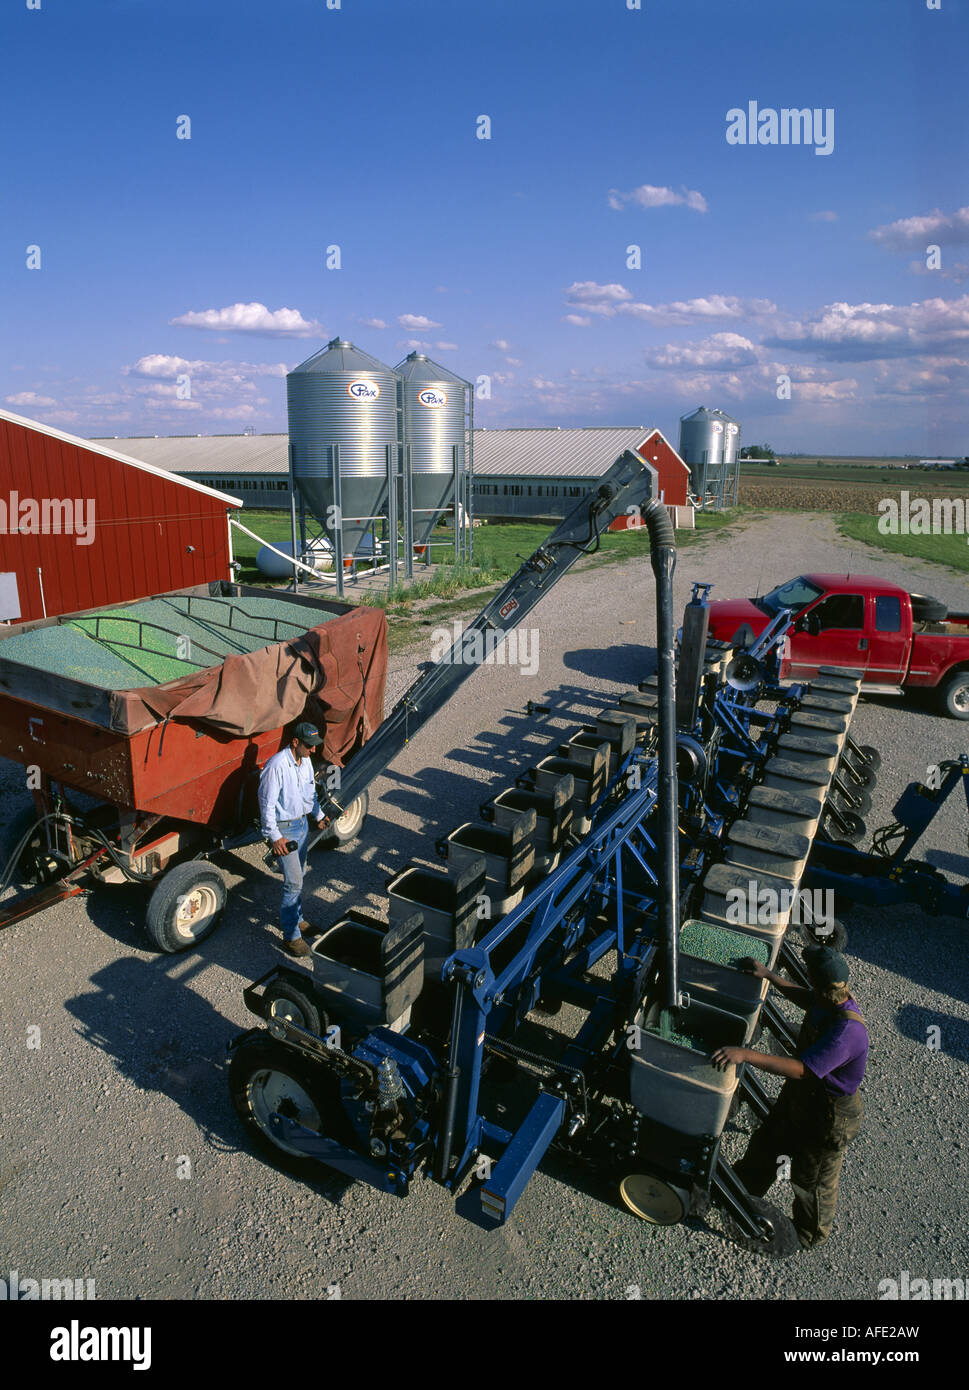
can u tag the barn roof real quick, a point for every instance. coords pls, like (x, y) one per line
(569, 453)
(97, 447)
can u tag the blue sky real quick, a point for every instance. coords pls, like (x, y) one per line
(504, 258)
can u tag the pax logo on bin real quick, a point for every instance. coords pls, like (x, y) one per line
(363, 390)
(432, 398)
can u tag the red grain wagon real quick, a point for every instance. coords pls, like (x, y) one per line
(143, 783)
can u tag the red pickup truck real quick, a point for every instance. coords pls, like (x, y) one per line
(899, 640)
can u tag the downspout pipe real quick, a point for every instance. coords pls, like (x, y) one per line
(662, 556)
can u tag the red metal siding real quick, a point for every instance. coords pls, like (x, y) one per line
(144, 526)
(674, 475)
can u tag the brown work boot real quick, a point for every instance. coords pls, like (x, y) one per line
(307, 929)
(296, 948)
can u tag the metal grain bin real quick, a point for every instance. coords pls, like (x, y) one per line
(342, 423)
(702, 446)
(434, 437)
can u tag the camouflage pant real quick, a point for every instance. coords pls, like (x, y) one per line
(813, 1130)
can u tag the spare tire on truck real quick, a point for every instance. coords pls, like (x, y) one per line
(928, 610)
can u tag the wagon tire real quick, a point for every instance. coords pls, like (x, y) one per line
(185, 906)
(954, 696)
(928, 610)
(347, 828)
(264, 1073)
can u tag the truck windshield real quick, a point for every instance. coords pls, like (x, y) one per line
(795, 594)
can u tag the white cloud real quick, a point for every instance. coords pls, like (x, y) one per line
(252, 318)
(720, 352)
(164, 366)
(580, 320)
(826, 216)
(446, 347)
(29, 398)
(373, 323)
(649, 195)
(865, 332)
(514, 361)
(501, 345)
(611, 300)
(416, 321)
(933, 227)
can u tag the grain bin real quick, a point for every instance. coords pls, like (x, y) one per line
(701, 446)
(343, 438)
(435, 416)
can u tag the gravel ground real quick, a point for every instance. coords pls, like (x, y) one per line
(129, 1081)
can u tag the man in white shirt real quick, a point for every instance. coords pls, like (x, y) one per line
(287, 793)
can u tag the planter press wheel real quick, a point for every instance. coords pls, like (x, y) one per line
(266, 1078)
(851, 831)
(779, 1239)
(185, 906)
(347, 827)
(283, 999)
(815, 935)
(870, 756)
(653, 1200)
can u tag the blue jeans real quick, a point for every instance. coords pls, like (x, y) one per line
(293, 865)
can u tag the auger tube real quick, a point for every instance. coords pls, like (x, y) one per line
(662, 555)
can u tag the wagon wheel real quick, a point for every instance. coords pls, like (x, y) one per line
(185, 906)
(347, 827)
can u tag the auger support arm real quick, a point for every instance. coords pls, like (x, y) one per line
(624, 486)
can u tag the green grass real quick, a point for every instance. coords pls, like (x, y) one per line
(499, 549)
(951, 550)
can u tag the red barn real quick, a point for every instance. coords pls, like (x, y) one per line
(672, 476)
(82, 526)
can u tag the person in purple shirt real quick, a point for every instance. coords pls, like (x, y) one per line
(818, 1111)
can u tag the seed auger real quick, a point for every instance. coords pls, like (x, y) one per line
(561, 981)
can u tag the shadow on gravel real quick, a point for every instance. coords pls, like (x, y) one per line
(163, 1037)
(631, 662)
(912, 945)
(599, 1188)
(953, 1036)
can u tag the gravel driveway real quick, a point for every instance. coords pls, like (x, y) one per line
(129, 1080)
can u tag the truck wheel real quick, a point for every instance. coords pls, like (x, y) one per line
(954, 696)
(289, 1001)
(185, 906)
(266, 1078)
(348, 826)
(928, 610)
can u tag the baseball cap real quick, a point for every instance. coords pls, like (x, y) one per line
(308, 734)
(826, 965)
